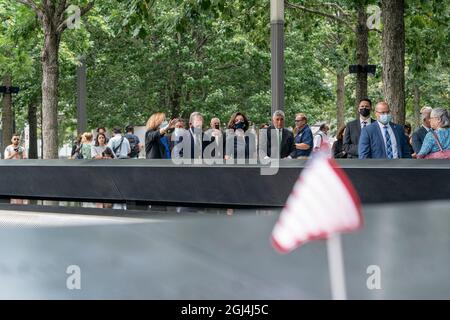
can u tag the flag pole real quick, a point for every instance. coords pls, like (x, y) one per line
(336, 267)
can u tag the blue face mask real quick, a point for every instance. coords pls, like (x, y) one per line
(239, 125)
(385, 118)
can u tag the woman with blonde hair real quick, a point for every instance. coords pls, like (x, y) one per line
(156, 144)
(86, 145)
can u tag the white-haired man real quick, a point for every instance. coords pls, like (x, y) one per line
(277, 131)
(419, 135)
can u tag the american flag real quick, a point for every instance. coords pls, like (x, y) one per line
(323, 202)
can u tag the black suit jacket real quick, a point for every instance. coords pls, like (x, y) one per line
(232, 148)
(154, 149)
(202, 147)
(287, 143)
(351, 138)
(417, 138)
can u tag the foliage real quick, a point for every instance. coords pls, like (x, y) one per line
(212, 56)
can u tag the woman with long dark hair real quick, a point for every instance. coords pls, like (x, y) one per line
(99, 146)
(240, 143)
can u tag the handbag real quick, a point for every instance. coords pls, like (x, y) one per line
(441, 154)
(78, 155)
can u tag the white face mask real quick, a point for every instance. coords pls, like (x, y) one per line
(163, 124)
(178, 132)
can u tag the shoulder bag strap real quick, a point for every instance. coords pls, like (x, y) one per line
(437, 141)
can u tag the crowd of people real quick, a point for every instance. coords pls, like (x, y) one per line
(366, 137)
(380, 138)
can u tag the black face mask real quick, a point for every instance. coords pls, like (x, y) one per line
(364, 112)
(217, 126)
(239, 125)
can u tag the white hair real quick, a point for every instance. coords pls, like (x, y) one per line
(194, 115)
(442, 114)
(424, 112)
(278, 113)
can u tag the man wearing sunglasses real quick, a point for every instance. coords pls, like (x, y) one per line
(14, 151)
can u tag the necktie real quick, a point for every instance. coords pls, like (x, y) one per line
(280, 137)
(388, 143)
(199, 145)
(364, 124)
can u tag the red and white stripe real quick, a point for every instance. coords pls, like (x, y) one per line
(323, 202)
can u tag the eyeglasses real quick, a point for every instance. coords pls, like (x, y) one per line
(16, 139)
(299, 120)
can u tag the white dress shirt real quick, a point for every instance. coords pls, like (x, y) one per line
(361, 122)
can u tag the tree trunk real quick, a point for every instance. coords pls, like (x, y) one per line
(394, 57)
(416, 93)
(7, 115)
(340, 99)
(50, 74)
(32, 123)
(42, 134)
(362, 53)
(175, 103)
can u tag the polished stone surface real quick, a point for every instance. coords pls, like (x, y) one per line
(208, 255)
(165, 183)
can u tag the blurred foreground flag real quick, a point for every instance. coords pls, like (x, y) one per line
(322, 203)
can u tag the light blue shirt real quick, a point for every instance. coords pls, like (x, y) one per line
(429, 143)
(393, 140)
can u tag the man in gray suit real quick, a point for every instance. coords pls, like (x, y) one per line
(420, 133)
(353, 128)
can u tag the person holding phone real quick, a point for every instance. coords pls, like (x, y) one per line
(14, 151)
(156, 143)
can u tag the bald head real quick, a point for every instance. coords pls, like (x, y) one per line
(382, 107)
(215, 123)
(383, 112)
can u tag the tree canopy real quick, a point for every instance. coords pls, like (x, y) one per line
(213, 56)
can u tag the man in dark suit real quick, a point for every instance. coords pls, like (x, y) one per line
(353, 128)
(420, 133)
(275, 135)
(383, 139)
